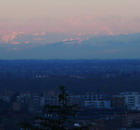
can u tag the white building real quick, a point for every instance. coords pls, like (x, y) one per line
(97, 101)
(99, 104)
(132, 99)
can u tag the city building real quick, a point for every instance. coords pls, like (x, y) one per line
(97, 101)
(99, 104)
(131, 99)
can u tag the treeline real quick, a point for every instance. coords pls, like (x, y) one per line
(108, 85)
(80, 76)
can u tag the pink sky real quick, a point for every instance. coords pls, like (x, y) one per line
(74, 16)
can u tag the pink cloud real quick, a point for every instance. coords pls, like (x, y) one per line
(39, 34)
(101, 25)
(15, 42)
(26, 42)
(98, 24)
(88, 24)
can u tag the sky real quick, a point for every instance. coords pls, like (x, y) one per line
(50, 21)
(70, 16)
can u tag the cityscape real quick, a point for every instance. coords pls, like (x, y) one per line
(105, 92)
(70, 65)
(94, 111)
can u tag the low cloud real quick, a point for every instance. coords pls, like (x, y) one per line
(97, 24)
(100, 24)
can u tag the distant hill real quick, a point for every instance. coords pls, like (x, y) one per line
(80, 76)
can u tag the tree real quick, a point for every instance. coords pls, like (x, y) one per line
(61, 114)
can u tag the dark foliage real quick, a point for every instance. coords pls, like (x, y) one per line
(61, 114)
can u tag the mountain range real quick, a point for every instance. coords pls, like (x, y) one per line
(80, 46)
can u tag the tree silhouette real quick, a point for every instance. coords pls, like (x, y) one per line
(61, 114)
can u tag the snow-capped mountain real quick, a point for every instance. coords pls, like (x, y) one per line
(73, 47)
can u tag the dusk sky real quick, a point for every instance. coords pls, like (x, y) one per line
(27, 27)
(72, 16)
